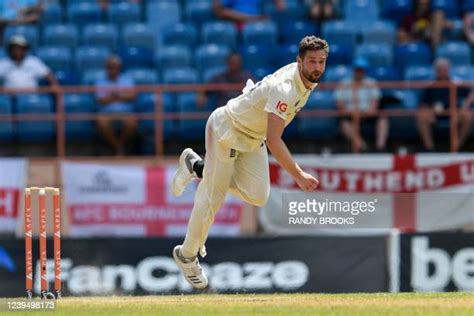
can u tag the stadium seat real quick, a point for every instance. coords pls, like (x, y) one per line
(138, 35)
(173, 56)
(39, 130)
(376, 54)
(190, 129)
(340, 54)
(397, 9)
(28, 31)
(468, 6)
(91, 57)
(145, 103)
(79, 103)
(294, 11)
(457, 52)
(404, 127)
(143, 76)
(180, 75)
(56, 57)
(418, 73)
(209, 73)
(319, 127)
(82, 13)
(260, 33)
(199, 12)
(162, 15)
(340, 32)
(384, 73)
(90, 76)
(337, 73)
(449, 7)
(100, 35)
(412, 54)
(61, 35)
(379, 32)
(180, 34)
(456, 33)
(293, 31)
(67, 78)
(258, 56)
(287, 55)
(463, 73)
(361, 12)
(52, 14)
(222, 33)
(136, 57)
(123, 13)
(262, 72)
(7, 129)
(211, 55)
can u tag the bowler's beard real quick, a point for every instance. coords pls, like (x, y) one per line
(314, 77)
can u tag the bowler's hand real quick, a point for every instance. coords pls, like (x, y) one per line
(307, 182)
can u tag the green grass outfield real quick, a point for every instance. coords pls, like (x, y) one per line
(380, 304)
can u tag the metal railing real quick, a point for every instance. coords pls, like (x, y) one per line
(159, 116)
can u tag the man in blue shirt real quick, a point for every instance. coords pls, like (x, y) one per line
(113, 97)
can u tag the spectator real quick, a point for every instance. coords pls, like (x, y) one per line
(233, 74)
(15, 12)
(320, 10)
(468, 27)
(434, 101)
(21, 70)
(424, 24)
(365, 92)
(243, 11)
(104, 4)
(112, 98)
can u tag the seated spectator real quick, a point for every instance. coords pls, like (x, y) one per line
(15, 12)
(424, 24)
(243, 11)
(468, 27)
(320, 10)
(112, 98)
(233, 74)
(21, 70)
(365, 92)
(436, 100)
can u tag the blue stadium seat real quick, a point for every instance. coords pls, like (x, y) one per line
(319, 127)
(340, 54)
(56, 57)
(7, 129)
(379, 32)
(405, 127)
(294, 11)
(209, 73)
(222, 33)
(90, 76)
(211, 55)
(463, 73)
(91, 57)
(29, 131)
(180, 34)
(449, 7)
(397, 9)
(262, 72)
(145, 103)
(162, 15)
(199, 12)
(458, 53)
(417, 73)
(258, 56)
(337, 73)
(52, 14)
(376, 54)
(412, 54)
(260, 33)
(293, 31)
(384, 73)
(30, 32)
(468, 5)
(173, 56)
(139, 35)
(340, 32)
(61, 34)
(100, 35)
(288, 53)
(190, 129)
(124, 12)
(82, 13)
(180, 75)
(361, 11)
(79, 103)
(136, 57)
(67, 78)
(142, 76)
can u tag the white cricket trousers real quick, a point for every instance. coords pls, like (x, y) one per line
(242, 173)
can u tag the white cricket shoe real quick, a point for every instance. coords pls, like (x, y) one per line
(192, 270)
(184, 174)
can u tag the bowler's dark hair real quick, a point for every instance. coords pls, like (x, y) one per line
(312, 43)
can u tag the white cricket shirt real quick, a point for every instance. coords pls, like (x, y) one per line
(24, 75)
